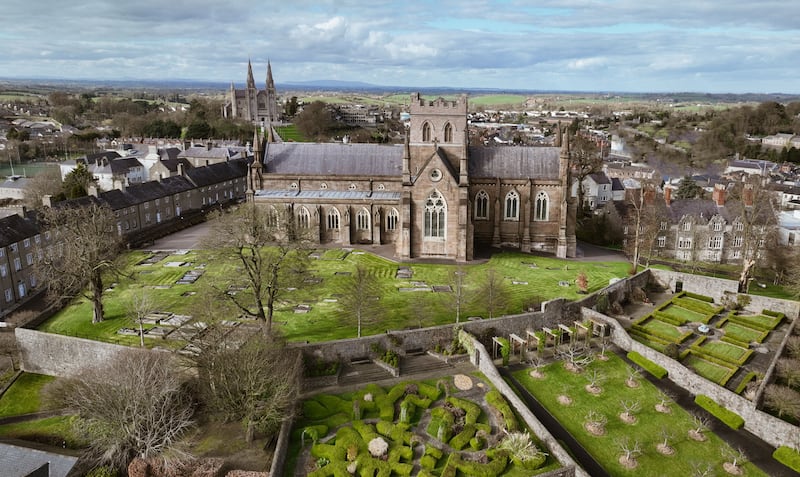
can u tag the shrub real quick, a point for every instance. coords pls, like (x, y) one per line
(647, 365)
(428, 462)
(441, 418)
(461, 440)
(522, 450)
(433, 452)
(473, 410)
(377, 447)
(699, 297)
(327, 451)
(788, 457)
(745, 381)
(496, 400)
(102, 471)
(730, 418)
(505, 349)
(429, 391)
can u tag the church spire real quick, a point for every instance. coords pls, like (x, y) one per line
(270, 82)
(251, 83)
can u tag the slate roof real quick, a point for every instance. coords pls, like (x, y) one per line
(329, 194)
(19, 461)
(145, 192)
(202, 152)
(333, 159)
(616, 184)
(172, 163)
(216, 173)
(514, 162)
(600, 178)
(15, 228)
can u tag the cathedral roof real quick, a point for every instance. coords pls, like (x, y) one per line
(329, 194)
(514, 162)
(333, 159)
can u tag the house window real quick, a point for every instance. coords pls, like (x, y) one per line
(663, 226)
(2, 252)
(391, 219)
(381, 187)
(426, 132)
(448, 133)
(146, 205)
(715, 242)
(482, 205)
(687, 226)
(3, 270)
(662, 242)
(46, 236)
(9, 295)
(352, 187)
(684, 242)
(737, 254)
(717, 226)
(512, 206)
(272, 217)
(761, 242)
(26, 243)
(293, 186)
(13, 248)
(29, 258)
(333, 219)
(323, 186)
(362, 220)
(435, 216)
(303, 218)
(738, 241)
(17, 264)
(542, 208)
(21, 289)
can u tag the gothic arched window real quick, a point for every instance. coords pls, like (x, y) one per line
(448, 133)
(362, 220)
(333, 219)
(303, 218)
(482, 205)
(426, 132)
(391, 219)
(542, 207)
(512, 206)
(435, 216)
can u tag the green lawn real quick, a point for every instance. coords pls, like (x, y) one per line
(55, 431)
(537, 277)
(646, 430)
(743, 333)
(683, 314)
(695, 304)
(711, 371)
(290, 133)
(760, 321)
(660, 328)
(727, 351)
(24, 396)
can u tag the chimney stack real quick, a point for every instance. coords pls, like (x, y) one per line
(180, 168)
(668, 195)
(649, 194)
(718, 196)
(209, 145)
(747, 195)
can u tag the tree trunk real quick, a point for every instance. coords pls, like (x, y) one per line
(96, 285)
(744, 277)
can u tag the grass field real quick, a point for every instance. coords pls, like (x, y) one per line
(711, 371)
(660, 328)
(28, 169)
(24, 396)
(55, 431)
(683, 314)
(743, 333)
(646, 430)
(324, 321)
(290, 133)
(727, 351)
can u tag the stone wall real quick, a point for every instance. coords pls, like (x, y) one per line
(716, 288)
(57, 355)
(769, 428)
(428, 338)
(481, 358)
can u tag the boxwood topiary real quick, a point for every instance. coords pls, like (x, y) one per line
(788, 457)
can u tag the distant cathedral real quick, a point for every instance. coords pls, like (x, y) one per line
(251, 103)
(434, 196)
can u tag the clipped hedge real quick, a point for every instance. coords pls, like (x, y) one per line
(647, 365)
(472, 410)
(697, 296)
(745, 381)
(788, 457)
(496, 400)
(461, 440)
(395, 432)
(729, 418)
(429, 391)
(441, 418)
(672, 320)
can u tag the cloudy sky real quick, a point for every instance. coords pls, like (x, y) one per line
(578, 45)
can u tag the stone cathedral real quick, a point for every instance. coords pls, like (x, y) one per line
(434, 196)
(251, 103)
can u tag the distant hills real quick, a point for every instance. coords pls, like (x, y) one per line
(360, 86)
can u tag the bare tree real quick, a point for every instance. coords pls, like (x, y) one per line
(360, 295)
(574, 355)
(270, 247)
(783, 400)
(735, 457)
(492, 293)
(755, 226)
(666, 437)
(140, 305)
(246, 377)
(458, 285)
(136, 404)
(788, 369)
(47, 182)
(585, 161)
(630, 449)
(700, 423)
(701, 469)
(596, 421)
(629, 408)
(86, 247)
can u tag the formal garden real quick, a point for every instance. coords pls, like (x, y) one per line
(627, 424)
(456, 425)
(410, 295)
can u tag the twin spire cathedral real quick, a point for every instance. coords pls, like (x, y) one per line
(253, 104)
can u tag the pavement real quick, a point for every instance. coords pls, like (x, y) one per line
(187, 239)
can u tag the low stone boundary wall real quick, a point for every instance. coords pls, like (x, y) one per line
(483, 361)
(62, 356)
(769, 428)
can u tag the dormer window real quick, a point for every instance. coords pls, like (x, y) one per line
(293, 186)
(352, 187)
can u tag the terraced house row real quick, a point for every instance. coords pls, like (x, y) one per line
(144, 212)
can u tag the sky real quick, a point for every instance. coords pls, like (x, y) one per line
(719, 46)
